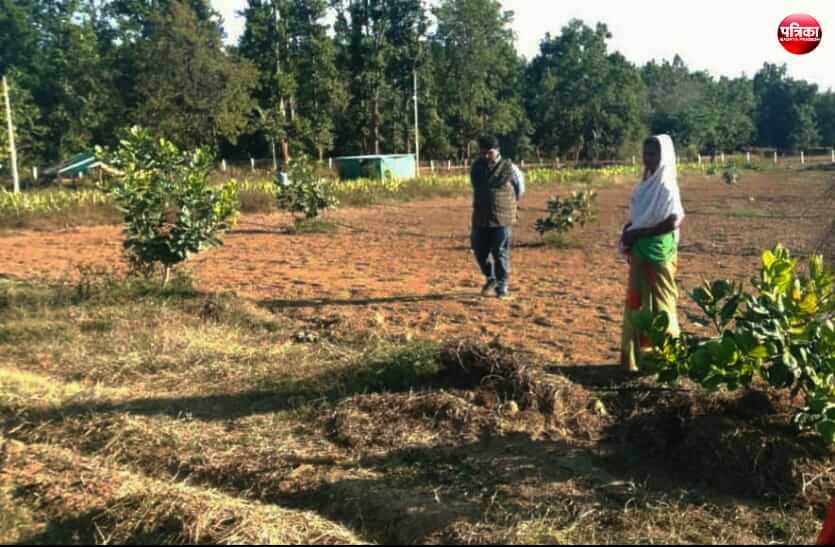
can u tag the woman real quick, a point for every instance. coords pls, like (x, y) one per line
(827, 535)
(650, 243)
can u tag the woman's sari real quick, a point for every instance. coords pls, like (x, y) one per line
(652, 260)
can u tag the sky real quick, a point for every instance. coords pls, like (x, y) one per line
(724, 37)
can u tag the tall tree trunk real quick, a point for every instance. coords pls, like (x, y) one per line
(376, 122)
(285, 148)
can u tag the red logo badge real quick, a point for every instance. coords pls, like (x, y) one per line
(799, 33)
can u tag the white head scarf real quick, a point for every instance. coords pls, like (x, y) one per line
(658, 197)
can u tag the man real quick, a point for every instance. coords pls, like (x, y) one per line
(497, 187)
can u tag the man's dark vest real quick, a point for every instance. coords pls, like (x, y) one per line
(494, 201)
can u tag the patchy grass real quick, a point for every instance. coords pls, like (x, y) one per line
(313, 226)
(746, 212)
(560, 241)
(72, 217)
(257, 202)
(133, 414)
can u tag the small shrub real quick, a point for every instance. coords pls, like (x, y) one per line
(564, 214)
(783, 334)
(730, 174)
(305, 193)
(170, 210)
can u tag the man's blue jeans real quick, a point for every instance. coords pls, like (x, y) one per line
(492, 252)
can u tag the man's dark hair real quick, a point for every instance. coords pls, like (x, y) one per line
(488, 142)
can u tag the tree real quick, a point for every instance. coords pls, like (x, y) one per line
(26, 120)
(17, 35)
(680, 105)
(728, 115)
(266, 42)
(362, 34)
(785, 117)
(313, 61)
(825, 115)
(476, 65)
(582, 99)
(136, 20)
(171, 211)
(63, 72)
(189, 89)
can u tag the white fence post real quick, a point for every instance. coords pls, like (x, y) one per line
(223, 165)
(330, 163)
(35, 173)
(252, 163)
(699, 156)
(432, 166)
(775, 157)
(723, 157)
(833, 155)
(522, 164)
(633, 160)
(748, 157)
(802, 158)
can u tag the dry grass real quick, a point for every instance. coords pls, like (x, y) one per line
(88, 215)
(133, 414)
(87, 502)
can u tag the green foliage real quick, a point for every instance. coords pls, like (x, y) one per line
(25, 115)
(479, 73)
(782, 333)
(81, 68)
(565, 213)
(697, 111)
(198, 95)
(171, 212)
(786, 117)
(288, 42)
(731, 174)
(583, 101)
(32, 203)
(305, 193)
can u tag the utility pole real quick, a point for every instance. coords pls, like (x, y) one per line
(10, 125)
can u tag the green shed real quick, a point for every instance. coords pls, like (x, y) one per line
(398, 166)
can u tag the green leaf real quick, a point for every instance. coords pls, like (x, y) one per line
(729, 309)
(759, 352)
(809, 304)
(768, 259)
(668, 375)
(779, 375)
(713, 382)
(826, 429)
(699, 364)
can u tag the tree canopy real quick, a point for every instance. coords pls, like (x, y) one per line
(331, 77)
